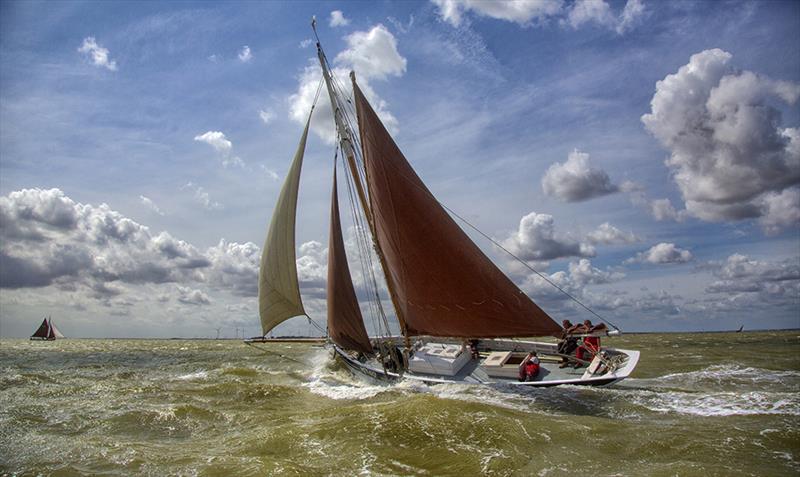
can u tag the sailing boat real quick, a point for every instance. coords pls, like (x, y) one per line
(47, 331)
(460, 317)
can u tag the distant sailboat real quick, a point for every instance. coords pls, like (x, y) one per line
(47, 331)
(459, 315)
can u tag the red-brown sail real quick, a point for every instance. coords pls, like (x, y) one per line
(443, 283)
(345, 324)
(43, 332)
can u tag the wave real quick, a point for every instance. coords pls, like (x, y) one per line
(719, 404)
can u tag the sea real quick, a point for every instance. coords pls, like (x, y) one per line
(698, 404)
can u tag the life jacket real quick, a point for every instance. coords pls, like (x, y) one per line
(531, 369)
(592, 343)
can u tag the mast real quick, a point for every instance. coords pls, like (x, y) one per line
(347, 144)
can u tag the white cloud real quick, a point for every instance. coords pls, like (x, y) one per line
(150, 205)
(97, 255)
(337, 19)
(270, 173)
(522, 12)
(373, 55)
(575, 180)
(727, 152)
(634, 10)
(583, 273)
(48, 239)
(306, 43)
(780, 210)
(741, 274)
(266, 115)
(202, 197)
(217, 140)
(662, 253)
(191, 296)
(607, 234)
(234, 267)
(599, 12)
(245, 56)
(222, 145)
(97, 53)
(659, 209)
(536, 240)
(590, 11)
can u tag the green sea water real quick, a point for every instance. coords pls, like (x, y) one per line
(698, 404)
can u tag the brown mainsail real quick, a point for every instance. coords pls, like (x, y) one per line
(443, 283)
(345, 323)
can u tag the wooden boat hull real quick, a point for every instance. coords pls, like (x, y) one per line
(374, 372)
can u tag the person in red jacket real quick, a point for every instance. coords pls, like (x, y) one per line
(529, 367)
(591, 344)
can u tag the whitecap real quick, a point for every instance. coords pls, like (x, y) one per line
(720, 404)
(202, 374)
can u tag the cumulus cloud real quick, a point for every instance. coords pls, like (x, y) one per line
(234, 267)
(662, 253)
(373, 55)
(575, 180)
(575, 280)
(780, 210)
(217, 140)
(150, 205)
(222, 145)
(245, 55)
(337, 19)
(47, 239)
(536, 240)
(741, 274)
(190, 296)
(729, 155)
(659, 209)
(202, 197)
(521, 12)
(607, 234)
(97, 54)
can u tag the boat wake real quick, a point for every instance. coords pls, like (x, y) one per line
(723, 390)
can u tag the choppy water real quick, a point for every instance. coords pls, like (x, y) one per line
(699, 404)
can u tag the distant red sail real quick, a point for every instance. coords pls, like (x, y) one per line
(345, 323)
(444, 285)
(43, 332)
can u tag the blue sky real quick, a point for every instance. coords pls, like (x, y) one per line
(645, 155)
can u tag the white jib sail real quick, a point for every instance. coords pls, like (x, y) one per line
(278, 290)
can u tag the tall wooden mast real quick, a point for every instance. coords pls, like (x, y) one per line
(348, 149)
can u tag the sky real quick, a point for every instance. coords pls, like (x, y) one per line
(643, 155)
